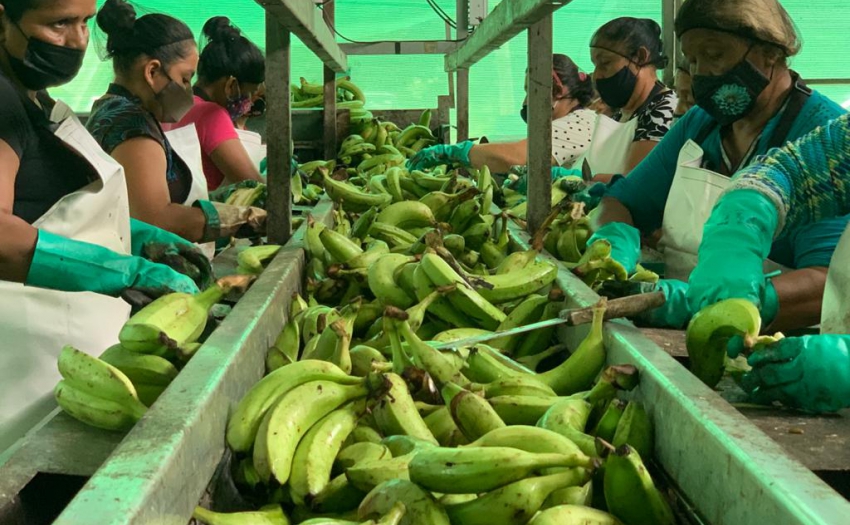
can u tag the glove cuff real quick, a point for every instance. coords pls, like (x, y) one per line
(769, 304)
(212, 228)
(60, 263)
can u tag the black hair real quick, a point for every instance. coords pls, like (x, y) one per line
(15, 9)
(579, 83)
(626, 35)
(229, 54)
(157, 36)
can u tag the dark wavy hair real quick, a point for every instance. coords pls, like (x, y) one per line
(626, 35)
(157, 36)
(229, 54)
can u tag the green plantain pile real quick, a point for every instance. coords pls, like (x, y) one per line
(360, 418)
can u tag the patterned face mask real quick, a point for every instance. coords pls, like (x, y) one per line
(239, 106)
(731, 96)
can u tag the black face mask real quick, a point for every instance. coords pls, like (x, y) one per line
(731, 96)
(617, 89)
(46, 65)
(523, 113)
(174, 101)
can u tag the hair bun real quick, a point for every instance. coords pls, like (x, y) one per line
(116, 16)
(219, 28)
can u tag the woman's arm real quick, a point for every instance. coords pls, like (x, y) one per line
(499, 156)
(234, 162)
(800, 295)
(637, 153)
(145, 165)
(17, 238)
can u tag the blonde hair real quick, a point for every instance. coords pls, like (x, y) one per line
(763, 20)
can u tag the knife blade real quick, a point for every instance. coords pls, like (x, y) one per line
(615, 309)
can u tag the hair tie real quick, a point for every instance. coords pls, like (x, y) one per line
(582, 76)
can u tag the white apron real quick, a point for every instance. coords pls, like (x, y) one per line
(610, 146)
(835, 315)
(186, 145)
(37, 323)
(253, 144)
(692, 197)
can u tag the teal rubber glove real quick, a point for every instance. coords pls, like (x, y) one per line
(674, 313)
(625, 243)
(164, 247)
(736, 241)
(441, 154)
(264, 166)
(64, 264)
(810, 373)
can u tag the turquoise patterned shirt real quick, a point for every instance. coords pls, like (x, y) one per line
(808, 180)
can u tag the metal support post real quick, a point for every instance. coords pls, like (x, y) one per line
(539, 122)
(330, 132)
(278, 131)
(462, 100)
(669, 10)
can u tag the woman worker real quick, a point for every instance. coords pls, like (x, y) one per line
(231, 71)
(155, 58)
(789, 192)
(748, 102)
(64, 219)
(627, 54)
(572, 128)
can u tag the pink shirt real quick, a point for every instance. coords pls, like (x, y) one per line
(214, 127)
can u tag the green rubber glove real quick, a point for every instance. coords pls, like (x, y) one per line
(164, 247)
(625, 243)
(674, 313)
(441, 154)
(810, 373)
(64, 264)
(264, 166)
(735, 242)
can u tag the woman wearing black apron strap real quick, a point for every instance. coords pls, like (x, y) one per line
(64, 219)
(748, 101)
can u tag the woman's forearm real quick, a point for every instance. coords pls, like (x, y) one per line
(186, 221)
(500, 156)
(17, 245)
(800, 295)
(611, 210)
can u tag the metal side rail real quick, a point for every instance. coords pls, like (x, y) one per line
(161, 469)
(731, 471)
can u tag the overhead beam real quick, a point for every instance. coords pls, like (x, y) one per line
(507, 20)
(400, 47)
(304, 19)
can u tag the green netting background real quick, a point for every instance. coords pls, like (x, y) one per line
(496, 83)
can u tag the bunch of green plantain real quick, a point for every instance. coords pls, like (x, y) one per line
(112, 392)
(311, 95)
(565, 236)
(341, 435)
